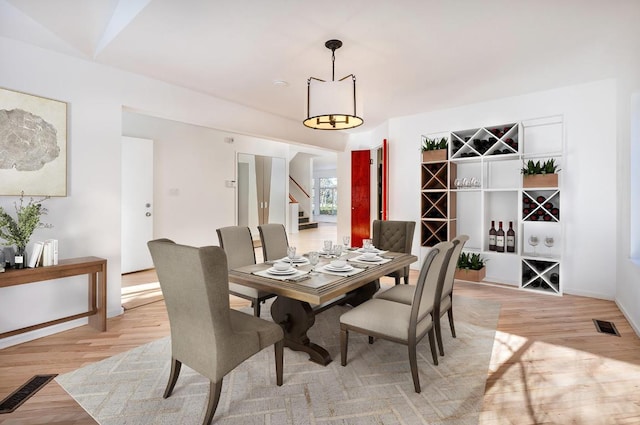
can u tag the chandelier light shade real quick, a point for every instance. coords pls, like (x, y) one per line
(331, 105)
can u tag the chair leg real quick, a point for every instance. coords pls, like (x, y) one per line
(397, 278)
(173, 377)
(453, 328)
(432, 344)
(256, 307)
(406, 279)
(371, 339)
(214, 397)
(344, 341)
(436, 325)
(279, 349)
(413, 363)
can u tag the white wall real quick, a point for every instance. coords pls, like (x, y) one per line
(191, 165)
(87, 221)
(589, 112)
(628, 260)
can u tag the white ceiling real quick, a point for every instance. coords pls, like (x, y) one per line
(409, 56)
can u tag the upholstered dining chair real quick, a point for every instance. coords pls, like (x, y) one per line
(206, 334)
(396, 236)
(273, 238)
(238, 245)
(399, 322)
(444, 303)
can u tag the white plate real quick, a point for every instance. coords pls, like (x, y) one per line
(375, 259)
(281, 272)
(346, 268)
(376, 250)
(297, 259)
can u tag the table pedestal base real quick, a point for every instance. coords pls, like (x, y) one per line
(297, 317)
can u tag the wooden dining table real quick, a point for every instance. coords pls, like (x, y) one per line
(299, 301)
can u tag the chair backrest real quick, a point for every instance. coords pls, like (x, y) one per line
(393, 235)
(238, 245)
(194, 282)
(458, 243)
(274, 241)
(430, 280)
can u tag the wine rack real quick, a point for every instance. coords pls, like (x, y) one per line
(486, 164)
(435, 231)
(438, 202)
(435, 176)
(489, 141)
(541, 205)
(541, 275)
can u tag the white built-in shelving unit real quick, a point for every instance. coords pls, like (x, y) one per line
(489, 160)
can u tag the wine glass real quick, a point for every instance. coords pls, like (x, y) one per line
(314, 257)
(291, 254)
(548, 241)
(533, 241)
(346, 240)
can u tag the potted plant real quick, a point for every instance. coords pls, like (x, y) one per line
(434, 149)
(18, 231)
(471, 267)
(540, 174)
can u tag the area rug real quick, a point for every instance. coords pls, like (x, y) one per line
(374, 388)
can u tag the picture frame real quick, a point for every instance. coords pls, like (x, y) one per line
(33, 142)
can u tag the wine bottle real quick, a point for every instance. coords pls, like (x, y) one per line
(546, 217)
(540, 199)
(511, 238)
(492, 236)
(500, 238)
(548, 206)
(554, 278)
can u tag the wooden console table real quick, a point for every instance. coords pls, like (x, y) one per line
(94, 267)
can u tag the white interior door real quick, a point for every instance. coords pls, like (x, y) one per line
(137, 203)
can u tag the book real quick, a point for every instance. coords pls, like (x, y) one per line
(36, 253)
(50, 252)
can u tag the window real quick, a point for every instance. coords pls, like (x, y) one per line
(328, 195)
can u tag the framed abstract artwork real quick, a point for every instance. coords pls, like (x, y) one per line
(33, 145)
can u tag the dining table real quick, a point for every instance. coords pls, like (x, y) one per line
(303, 294)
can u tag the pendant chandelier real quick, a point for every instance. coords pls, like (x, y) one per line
(331, 105)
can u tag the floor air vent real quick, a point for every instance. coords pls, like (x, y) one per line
(22, 394)
(606, 327)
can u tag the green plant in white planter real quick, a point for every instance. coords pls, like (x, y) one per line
(18, 231)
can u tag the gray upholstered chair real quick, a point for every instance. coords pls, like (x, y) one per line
(273, 238)
(396, 236)
(206, 334)
(404, 293)
(399, 322)
(238, 245)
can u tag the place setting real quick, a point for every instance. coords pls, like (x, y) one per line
(370, 259)
(287, 268)
(368, 248)
(340, 268)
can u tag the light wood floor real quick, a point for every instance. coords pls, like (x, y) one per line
(549, 365)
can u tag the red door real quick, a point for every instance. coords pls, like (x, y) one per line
(360, 196)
